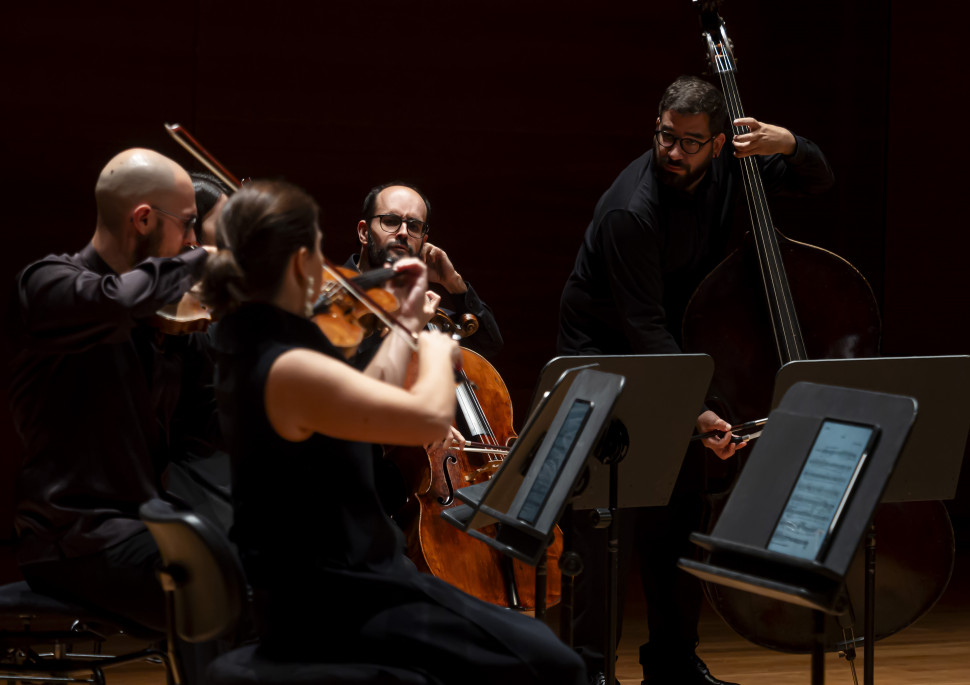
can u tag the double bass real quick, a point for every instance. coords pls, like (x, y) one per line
(801, 302)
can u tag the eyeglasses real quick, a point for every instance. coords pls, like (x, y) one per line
(390, 223)
(187, 224)
(688, 145)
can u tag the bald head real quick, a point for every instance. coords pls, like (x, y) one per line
(135, 177)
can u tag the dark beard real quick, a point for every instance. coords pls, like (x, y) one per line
(377, 256)
(677, 181)
(147, 246)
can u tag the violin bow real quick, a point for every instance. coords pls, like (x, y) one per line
(195, 148)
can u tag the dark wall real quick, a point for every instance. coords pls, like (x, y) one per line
(512, 116)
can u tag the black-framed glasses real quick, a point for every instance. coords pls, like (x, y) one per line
(688, 145)
(390, 223)
(187, 224)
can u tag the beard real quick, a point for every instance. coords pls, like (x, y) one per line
(147, 245)
(679, 181)
(378, 256)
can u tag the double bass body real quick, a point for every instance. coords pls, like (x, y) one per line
(837, 311)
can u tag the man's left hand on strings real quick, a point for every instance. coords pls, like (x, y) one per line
(763, 139)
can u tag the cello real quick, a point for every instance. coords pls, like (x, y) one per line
(437, 547)
(803, 303)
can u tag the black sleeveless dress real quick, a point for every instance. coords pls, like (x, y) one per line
(329, 563)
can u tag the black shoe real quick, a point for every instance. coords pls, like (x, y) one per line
(600, 679)
(685, 670)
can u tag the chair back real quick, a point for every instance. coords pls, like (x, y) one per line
(209, 585)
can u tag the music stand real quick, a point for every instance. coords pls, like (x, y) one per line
(665, 396)
(805, 498)
(939, 385)
(658, 409)
(529, 492)
(929, 466)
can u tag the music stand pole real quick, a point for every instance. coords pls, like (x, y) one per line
(869, 624)
(541, 585)
(614, 584)
(818, 647)
(617, 441)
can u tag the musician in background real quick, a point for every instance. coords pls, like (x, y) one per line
(395, 224)
(660, 228)
(211, 196)
(90, 390)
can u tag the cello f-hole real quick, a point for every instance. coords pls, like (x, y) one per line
(450, 497)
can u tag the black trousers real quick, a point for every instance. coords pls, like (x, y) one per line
(120, 580)
(408, 620)
(658, 536)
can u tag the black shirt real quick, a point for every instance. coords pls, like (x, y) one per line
(89, 385)
(648, 247)
(283, 488)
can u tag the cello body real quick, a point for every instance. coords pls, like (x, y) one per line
(437, 547)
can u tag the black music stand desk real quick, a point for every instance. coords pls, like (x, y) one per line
(804, 500)
(665, 395)
(929, 467)
(639, 449)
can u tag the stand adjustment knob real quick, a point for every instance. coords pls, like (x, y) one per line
(570, 564)
(601, 518)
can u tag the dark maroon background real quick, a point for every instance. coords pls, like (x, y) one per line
(513, 116)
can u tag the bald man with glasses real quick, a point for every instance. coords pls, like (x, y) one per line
(93, 389)
(395, 223)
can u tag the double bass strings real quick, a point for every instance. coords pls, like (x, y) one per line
(789, 341)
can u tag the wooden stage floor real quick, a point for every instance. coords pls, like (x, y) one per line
(933, 651)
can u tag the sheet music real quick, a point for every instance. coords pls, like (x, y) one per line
(822, 489)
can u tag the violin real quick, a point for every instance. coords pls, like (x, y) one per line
(344, 320)
(188, 315)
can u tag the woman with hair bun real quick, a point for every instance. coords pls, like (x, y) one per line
(327, 565)
(211, 196)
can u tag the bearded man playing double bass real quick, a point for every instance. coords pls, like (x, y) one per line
(660, 228)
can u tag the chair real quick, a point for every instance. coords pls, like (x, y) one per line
(209, 598)
(40, 646)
